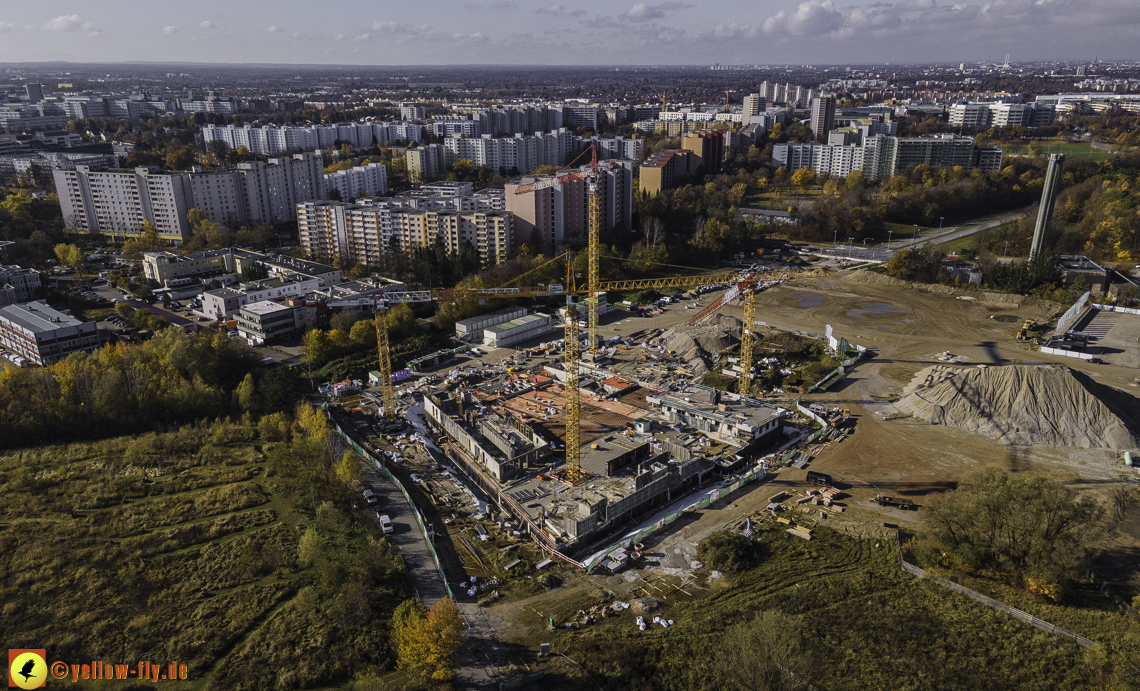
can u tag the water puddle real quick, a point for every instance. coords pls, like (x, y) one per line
(807, 301)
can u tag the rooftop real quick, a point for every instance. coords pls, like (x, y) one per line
(265, 307)
(37, 317)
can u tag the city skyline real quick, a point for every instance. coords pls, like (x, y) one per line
(586, 32)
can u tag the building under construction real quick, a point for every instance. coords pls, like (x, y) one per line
(649, 448)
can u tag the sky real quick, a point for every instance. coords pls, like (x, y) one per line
(585, 32)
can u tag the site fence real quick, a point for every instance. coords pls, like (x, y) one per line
(837, 373)
(1071, 314)
(365, 453)
(1114, 308)
(704, 502)
(992, 603)
(1067, 353)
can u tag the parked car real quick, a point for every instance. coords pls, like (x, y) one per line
(386, 524)
(369, 497)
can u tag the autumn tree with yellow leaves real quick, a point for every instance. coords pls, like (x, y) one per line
(427, 640)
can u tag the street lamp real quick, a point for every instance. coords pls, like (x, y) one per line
(1003, 254)
(914, 233)
(940, 219)
(889, 232)
(834, 237)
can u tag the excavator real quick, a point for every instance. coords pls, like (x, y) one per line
(1025, 333)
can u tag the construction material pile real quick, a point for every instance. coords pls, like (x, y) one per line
(1022, 405)
(695, 345)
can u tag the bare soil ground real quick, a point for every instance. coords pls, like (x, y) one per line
(905, 331)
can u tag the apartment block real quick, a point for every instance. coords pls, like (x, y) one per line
(547, 217)
(822, 114)
(1001, 114)
(881, 156)
(708, 147)
(18, 284)
(119, 202)
(359, 181)
(364, 233)
(665, 169)
(426, 163)
(272, 140)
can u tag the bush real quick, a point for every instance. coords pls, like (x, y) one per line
(729, 552)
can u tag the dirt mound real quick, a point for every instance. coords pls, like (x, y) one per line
(1023, 406)
(695, 345)
(987, 298)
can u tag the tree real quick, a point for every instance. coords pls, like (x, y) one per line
(318, 346)
(765, 654)
(70, 255)
(363, 335)
(401, 321)
(730, 552)
(428, 642)
(803, 177)
(1029, 527)
(246, 393)
(180, 158)
(349, 470)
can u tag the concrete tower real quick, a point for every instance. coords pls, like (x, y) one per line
(1048, 199)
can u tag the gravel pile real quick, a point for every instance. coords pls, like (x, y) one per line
(695, 345)
(1024, 406)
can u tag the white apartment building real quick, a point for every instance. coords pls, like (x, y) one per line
(411, 111)
(456, 128)
(1002, 114)
(359, 181)
(754, 104)
(427, 162)
(18, 284)
(118, 202)
(272, 140)
(881, 156)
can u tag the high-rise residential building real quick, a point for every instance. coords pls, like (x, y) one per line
(272, 140)
(799, 99)
(664, 169)
(754, 104)
(119, 202)
(881, 156)
(364, 233)
(35, 92)
(411, 111)
(546, 218)
(580, 116)
(708, 147)
(359, 181)
(767, 92)
(426, 163)
(822, 114)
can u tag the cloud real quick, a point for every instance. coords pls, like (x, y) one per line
(338, 37)
(297, 36)
(65, 22)
(643, 11)
(504, 5)
(169, 30)
(385, 26)
(472, 6)
(560, 11)
(735, 30)
(362, 37)
(811, 18)
(7, 26)
(272, 29)
(207, 25)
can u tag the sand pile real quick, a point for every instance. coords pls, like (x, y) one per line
(1023, 406)
(986, 298)
(696, 344)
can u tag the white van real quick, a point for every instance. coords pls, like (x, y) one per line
(386, 524)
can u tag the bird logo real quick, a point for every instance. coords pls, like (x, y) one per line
(27, 669)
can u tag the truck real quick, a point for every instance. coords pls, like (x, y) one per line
(899, 502)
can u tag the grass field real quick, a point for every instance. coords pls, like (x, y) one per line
(870, 626)
(179, 547)
(1071, 150)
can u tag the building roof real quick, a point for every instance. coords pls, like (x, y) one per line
(38, 317)
(265, 307)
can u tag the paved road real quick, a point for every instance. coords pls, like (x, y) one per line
(477, 660)
(940, 235)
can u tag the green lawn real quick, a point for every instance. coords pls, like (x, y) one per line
(1070, 150)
